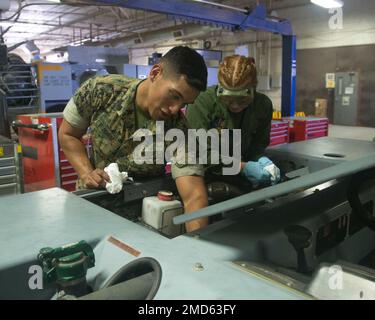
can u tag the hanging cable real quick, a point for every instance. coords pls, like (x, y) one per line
(72, 4)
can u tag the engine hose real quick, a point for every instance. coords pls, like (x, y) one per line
(353, 197)
(222, 190)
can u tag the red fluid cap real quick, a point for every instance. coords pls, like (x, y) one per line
(165, 195)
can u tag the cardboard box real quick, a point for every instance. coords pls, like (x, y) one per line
(321, 108)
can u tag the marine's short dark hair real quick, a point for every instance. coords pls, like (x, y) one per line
(186, 61)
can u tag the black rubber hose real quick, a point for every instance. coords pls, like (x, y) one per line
(353, 197)
(219, 190)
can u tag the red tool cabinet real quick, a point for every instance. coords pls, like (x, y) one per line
(279, 132)
(306, 128)
(44, 163)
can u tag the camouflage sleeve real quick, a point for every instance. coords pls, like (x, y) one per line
(127, 163)
(93, 95)
(262, 136)
(126, 158)
(186, 168)
(72, 116)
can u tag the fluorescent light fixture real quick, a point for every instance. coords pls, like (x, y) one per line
(78, 42)
(329, 4)
(57, 1)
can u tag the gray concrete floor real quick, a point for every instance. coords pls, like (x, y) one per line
(358, 133)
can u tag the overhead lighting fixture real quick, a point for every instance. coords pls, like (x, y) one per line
(57, 1)
(328, 4)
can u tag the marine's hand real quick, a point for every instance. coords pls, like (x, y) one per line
(95, 179)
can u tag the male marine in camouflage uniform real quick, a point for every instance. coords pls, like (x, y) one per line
(115, 106)
(235, 104)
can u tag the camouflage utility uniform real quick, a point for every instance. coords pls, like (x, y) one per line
(107, 105)
(208, 112)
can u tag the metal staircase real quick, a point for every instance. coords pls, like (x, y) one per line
(19, 92)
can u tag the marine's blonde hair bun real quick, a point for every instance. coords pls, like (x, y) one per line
(237, 72)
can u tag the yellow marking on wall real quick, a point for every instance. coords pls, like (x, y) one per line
(41, 67)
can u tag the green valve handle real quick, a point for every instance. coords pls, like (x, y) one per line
(67, 263)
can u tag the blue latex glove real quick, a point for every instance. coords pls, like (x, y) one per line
(262, 172)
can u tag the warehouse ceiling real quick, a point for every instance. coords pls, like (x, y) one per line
(54, 26)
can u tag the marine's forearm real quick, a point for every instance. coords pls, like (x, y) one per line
(76, 153)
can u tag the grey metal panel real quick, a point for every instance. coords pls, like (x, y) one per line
(323, 170)
(55, 217)
(318, 148)
(346, 99)
(219, 279)
(359, 282)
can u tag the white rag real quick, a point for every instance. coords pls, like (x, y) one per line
(117, 178)
(274, 172)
